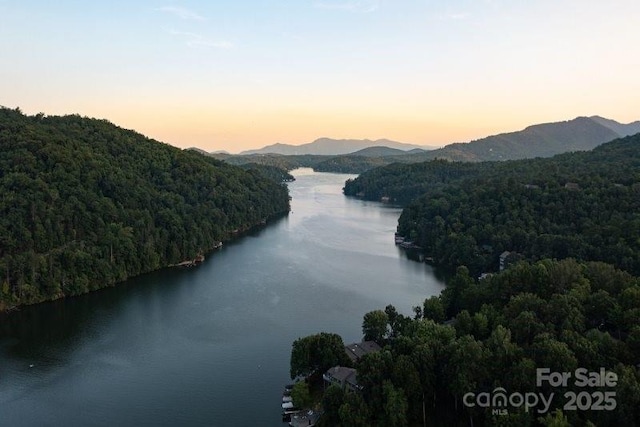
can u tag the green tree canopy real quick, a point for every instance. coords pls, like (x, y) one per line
(317, 353)
(375, 326)
(86, 204)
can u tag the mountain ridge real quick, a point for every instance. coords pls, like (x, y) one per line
(622, 129)
(537, 140)
(382, 151)
(333, 147)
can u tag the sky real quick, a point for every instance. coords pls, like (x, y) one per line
(236, 75)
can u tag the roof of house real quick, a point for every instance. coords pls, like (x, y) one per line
(304, 419)
(342, 374)
(355, 351)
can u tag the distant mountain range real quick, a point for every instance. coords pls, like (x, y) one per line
(540, 140)
(543, 140)
(357, 156)
(333, 147)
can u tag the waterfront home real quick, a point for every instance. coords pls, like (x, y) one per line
(356, 351)
(345, 378)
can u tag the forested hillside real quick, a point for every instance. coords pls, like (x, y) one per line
(276, 160)
(583, 205)
(403, 183)
(274, 173)
(85, 204)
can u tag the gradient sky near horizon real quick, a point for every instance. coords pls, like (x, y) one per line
(235, 75)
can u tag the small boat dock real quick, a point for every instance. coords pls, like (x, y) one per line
(191, 262)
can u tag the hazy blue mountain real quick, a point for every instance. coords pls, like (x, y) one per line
(540, 140)
(619, 128)
(328, 146)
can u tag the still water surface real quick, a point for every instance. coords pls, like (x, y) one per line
(210, 346)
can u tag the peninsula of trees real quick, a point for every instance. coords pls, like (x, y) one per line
(85, 204)
(558, 315)
(584, 205)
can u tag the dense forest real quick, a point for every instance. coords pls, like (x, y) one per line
(273, 173)
(85, 204)
(403, 183)
(273, 160)
(355, 164)
(558, 315)
(584, 205)
(348, 163)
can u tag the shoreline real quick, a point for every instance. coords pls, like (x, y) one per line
(229, 236)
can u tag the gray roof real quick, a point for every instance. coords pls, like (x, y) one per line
(342, 375)
(357, 350)
(304, 419)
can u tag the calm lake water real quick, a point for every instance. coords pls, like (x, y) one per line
(210, 346)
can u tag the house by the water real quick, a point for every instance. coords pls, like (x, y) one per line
(347, 378)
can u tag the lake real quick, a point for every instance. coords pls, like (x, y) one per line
(210, 346)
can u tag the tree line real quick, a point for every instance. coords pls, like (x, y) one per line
(273, 173)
